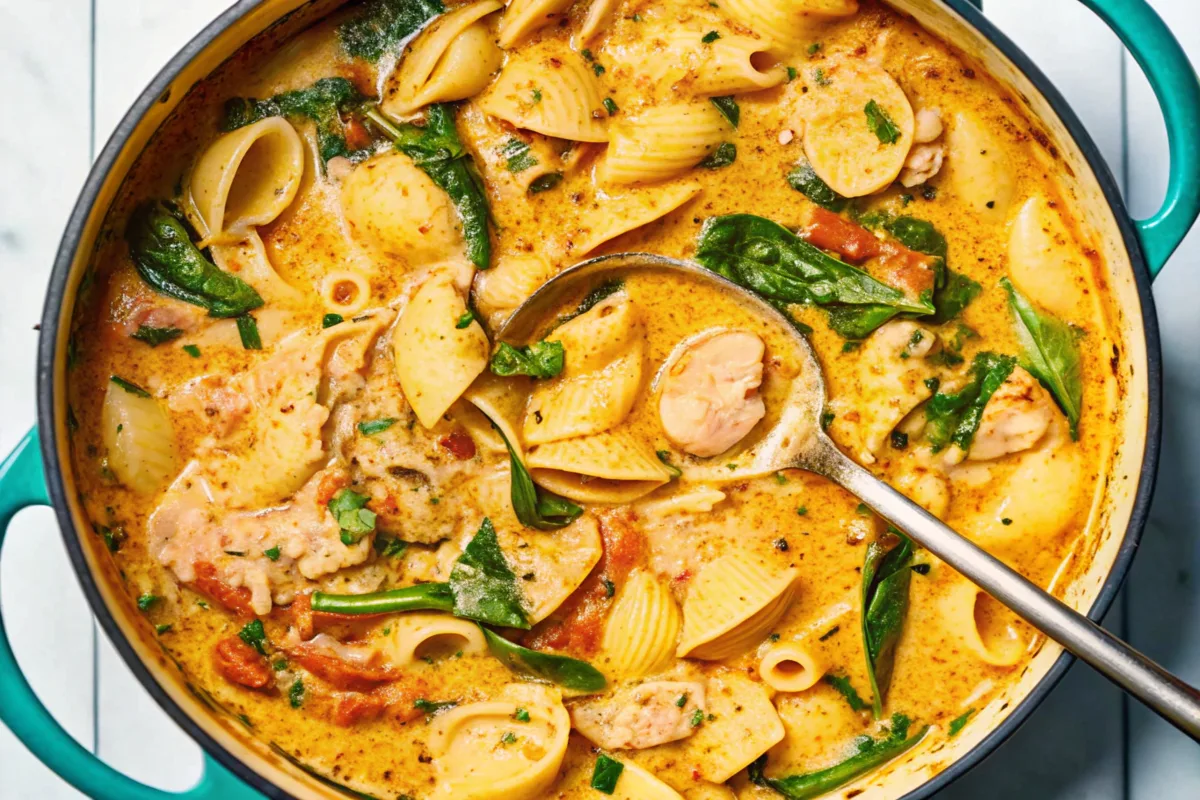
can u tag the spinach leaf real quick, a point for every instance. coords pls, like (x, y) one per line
(383, 25)
(593, 298)
(567, 672)
(1050, 352)
(846, 690)
(770, 260)
(953, 418)
(606, 773)
(729, 109)
(252, 633)
(881, 123)
(959, 722)
(805, 180)
(323, 103)
(535, 507)
(517, 156)
(917, 234)
(128, 386)
(955, 292)
(422, 597)
(433, 708)
(539, 360)
(167, 260)
(156, 336)
(248, 331)
(483, 585)
(436, 148)
(885, 581)
(350, 510)
(723, 156)
(869, 754)
(544, 183)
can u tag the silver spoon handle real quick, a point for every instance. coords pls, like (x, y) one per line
(1162, 692)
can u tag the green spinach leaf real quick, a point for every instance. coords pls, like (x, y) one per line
(869, 754)
(248, 331)
(422, 597)
(535, 507)
(539, 360)
(917, 234)
(350, 510)
(170, 263)
(729, 109)
(885, 580)
(606, 773)
(384, 24)
(846, 690)
(805, 180)
(881, 123)
(593, 298)
(483, 585)
(723, 156)
(1050, 352)
(959, 722)
(436, 148)
(156, 336)
(953, 417)
(323, 104)
(570, 673)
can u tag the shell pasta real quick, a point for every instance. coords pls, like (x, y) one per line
(430, 528)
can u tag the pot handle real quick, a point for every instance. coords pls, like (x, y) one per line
(22, 484)
(1175, 85)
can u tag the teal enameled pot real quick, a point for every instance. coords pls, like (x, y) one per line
(39, 471)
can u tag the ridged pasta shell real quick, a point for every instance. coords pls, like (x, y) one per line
(609, 467)
(452, 59)
(499, 290)
(418, 635)
(662, 141)
(841, 145)
(139, 438)
(245, 178)
(549, 89)
(631, 209)
(788, 24)
(523, 17)
(733, 64)
(463, 740)
(642, 628)
(732, 605)
(427, 335)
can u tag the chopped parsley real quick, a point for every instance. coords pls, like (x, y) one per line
(296, 694)
(881, 123)
(272, 553)
(521, 716)
(329, 320)
(710, 37)
(697, 718)
(959, 722)
(517, 156)
(842, 684)
(373, 426)
(355, 519)
(254, 635)
(248, 331)
(192, 350)
(610, 106)
(145, 601)
(606, 774)
(129, 386)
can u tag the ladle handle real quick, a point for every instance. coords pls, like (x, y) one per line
(1162, 692)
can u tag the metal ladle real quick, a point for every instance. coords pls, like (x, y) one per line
(798, 441)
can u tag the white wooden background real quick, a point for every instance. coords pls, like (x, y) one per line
(70, 69)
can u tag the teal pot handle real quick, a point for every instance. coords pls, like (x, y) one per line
(22, 484)
(1175, 85)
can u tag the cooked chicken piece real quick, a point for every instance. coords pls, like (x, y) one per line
(927, 126)
(161, 312)
(1014, 419)
(892, 381)
(642, 716)
(924, 161)
(710, 399)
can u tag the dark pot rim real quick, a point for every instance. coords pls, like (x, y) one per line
(54, 314)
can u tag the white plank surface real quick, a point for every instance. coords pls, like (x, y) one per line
(1075, 745)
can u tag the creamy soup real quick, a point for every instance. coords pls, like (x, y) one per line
(423, 560)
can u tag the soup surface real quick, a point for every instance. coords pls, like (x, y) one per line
(423, 560)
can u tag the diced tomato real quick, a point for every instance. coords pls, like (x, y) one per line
(236, 600)
(830, 231)
(339, 673)
(907, 270)
(331, 483)
(579, 624)
(307, 622)
(459, 444)
(351, 709)
(240, 663)
(357, 135)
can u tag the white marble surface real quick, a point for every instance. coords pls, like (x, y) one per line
(71, 67)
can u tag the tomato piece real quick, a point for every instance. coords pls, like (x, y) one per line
(830, 231)
(236, 600)
(240, 663)
(459, 444)
(339, 673)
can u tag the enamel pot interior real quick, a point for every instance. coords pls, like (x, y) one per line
(1088, 580)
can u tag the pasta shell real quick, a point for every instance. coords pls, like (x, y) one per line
(787, 24)
(248, 260)
(499, 290)
(621, 213)
(427, 335)
(663, 141)
(732, 64)
(986, 628)
(839, 141)
(603, 468)
(421, 635)
(139, 438)
(598, 17)
(452, 59)
(523, 17)
(642, 628)
(1045, 262)
(561, 560)
(638, 783)
(732, 606)
(549, 89)
(462, 742)
(245, 178)
(979, 169)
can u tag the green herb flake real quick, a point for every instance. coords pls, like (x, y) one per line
(899, 440)
(539, 360)
(161, 629)
(272, 553)
(697, 718)
(517, 155)
(780, 478)
(296, 694)
(521, 716)
(921, 569)
(820, 78)
(545, 182)
(388, 547)
(710, 37)
(252, 633)
(587, 55)
(681, 701)
(881, 123)
(1006, 521)
(156, 336)
(802, 511)
(606, 774)
(723, 156)
(598, 70)
(846, 690)
(508, 738)
(593, 298)
(373, 426)
(536, 96)
(959, 722)
(610, 106)
(329, 320)
(431, 708)
(128, 386)
(192, 350)
(814, 48)
(665, 457)
(350, 510)
(145, 601)
(610, 588)
(791, 73)
(729, 108)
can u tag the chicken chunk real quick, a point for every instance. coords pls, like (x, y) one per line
(1015, 418)
(642, 716)
(710, 398)
(892, 381)
(927, 125)
(923, 163)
